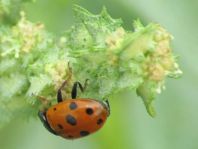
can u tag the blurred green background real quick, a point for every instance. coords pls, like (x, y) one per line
(129, 126)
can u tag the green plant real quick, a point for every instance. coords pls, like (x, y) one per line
(97, 47)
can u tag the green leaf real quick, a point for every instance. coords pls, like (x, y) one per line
(96, 47)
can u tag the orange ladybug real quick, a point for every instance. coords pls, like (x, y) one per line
(74, 118)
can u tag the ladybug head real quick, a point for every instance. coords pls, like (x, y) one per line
(106, 105)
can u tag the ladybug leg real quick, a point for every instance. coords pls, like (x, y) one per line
(59, 94)
(74, 89)
(42, 116)
(43, 100)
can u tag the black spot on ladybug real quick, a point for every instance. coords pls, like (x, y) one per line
(71, 120)
(60, 126)
(99, 121)
(70, 136)
(73, 106)
(84, 133)
(54, 109)
(89, 111)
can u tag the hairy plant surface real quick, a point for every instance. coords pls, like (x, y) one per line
(97, 47)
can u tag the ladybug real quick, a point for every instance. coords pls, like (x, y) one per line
(76, 117)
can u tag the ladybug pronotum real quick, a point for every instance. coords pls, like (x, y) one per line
(76, 117)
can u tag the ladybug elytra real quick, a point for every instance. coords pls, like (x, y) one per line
(76, 117)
